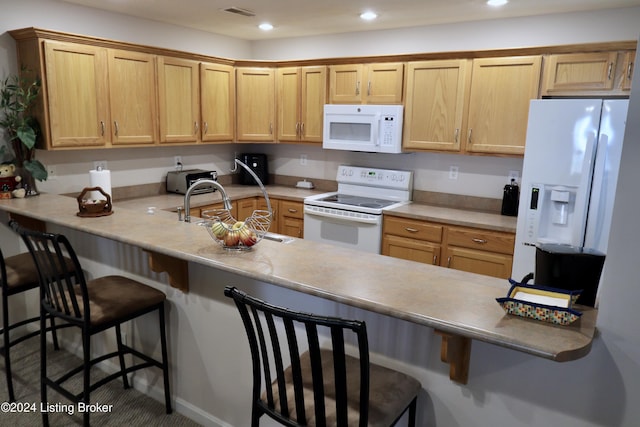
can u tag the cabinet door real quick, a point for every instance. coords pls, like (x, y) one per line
(501, 89)
(437, 95)
(246, 208)
(579, 72)
(314, 96)
(289, 97)
(78, 98)
(132, 90)
(481, 262)
(344, 84)
(384, 83)
(217, 102)
(630, 58)
(255, 104)
(262, 205)
(178, 88)
(411, 249)
(291, 219)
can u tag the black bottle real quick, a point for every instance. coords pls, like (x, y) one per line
(510, 198)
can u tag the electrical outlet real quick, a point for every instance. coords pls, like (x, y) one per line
(177, 162)
(52, 173)
(100, 165)
(514, 175)
(453, 172)
(303, 160)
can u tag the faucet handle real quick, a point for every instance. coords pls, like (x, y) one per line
(180, 213)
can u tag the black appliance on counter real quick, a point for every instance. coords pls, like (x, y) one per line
(258, 165)
(510, 199)
(571, 268)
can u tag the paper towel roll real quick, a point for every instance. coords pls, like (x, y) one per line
(100, 178)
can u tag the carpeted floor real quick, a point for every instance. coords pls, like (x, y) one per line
(130, 407)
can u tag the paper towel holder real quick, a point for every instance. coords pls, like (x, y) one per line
(91, 208)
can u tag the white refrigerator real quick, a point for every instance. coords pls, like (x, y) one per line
(569, 176)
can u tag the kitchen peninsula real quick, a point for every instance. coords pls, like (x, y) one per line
(459, 306)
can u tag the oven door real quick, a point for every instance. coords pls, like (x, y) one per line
(343, 228)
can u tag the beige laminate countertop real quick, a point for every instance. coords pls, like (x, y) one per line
(455, 302)
(489, 221)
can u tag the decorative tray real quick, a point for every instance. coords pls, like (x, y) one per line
(92, 208)
(541, 303)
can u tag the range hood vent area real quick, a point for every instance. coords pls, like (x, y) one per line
(239, 11)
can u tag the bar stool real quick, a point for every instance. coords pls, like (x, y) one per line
(18, 274)
(93, 306)
(321, 386)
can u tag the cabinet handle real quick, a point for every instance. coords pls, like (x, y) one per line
(301, 129)
(297, 128)
(291, 210)
(195, 127)
(609, 71)
(456, 135)
(205, 128)
(411, 230)
(358, 87)
(435, 260)
(448, 262)
(629, 70)
(271, 128)
(469, 137)
(479, 241)
(115, 125)
(101, 128)
(369, 88)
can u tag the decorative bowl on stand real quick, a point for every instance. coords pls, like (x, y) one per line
(233, 234)
(237, 235)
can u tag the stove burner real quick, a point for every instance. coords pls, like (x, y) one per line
(365, 202)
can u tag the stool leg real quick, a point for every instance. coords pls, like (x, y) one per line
(125, 381)
(54, 334)
(43, 367)
(7, 346)
(165, 363)
(86, 347)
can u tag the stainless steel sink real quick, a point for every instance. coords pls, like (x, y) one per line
(278, 238)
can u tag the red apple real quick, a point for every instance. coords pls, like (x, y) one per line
(248, 237)
(232, 238)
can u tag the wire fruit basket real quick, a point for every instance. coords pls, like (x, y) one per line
(235, 234)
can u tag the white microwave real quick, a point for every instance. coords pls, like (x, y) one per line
(371, 128)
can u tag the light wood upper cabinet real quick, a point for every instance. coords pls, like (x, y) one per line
(217, 102)
(501, 89)
(627, 75)
(366, 84)
(178, 95)
(579, 72)
(302, 93)
(132, 90)
(436, 104)
(77, 95)
(256, 104)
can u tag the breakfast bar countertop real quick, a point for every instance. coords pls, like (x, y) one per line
(460, 306)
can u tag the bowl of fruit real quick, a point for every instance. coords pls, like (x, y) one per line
(234, 234)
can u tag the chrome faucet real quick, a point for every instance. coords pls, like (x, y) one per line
(200, 183)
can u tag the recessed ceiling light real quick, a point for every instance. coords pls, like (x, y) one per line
(265, 26)
(497, 2)
(368, 16)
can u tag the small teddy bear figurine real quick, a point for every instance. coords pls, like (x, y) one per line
(9, 182)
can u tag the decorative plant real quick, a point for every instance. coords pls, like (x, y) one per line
(18, 94)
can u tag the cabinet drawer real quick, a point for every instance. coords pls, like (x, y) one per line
(413, 229)
(291, 209)
(490, 241)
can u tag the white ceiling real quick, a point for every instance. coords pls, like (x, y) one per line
(295, 18)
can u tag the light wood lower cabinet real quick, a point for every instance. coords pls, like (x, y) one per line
(291, 218)
(462, 248)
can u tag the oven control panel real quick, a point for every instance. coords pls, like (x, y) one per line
(386, 178)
